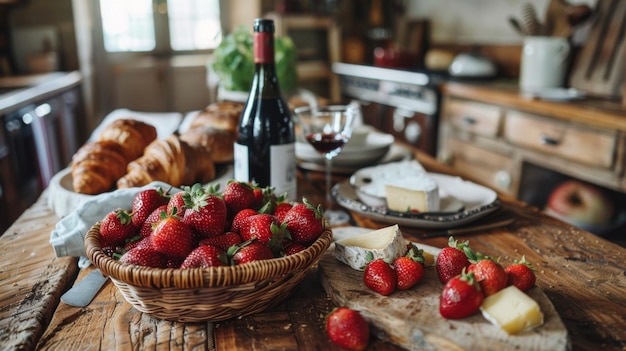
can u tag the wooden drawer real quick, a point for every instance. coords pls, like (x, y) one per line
(473, 117)
(483, 166)
(591, 146)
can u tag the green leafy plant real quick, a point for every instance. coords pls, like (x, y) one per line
(234, 61)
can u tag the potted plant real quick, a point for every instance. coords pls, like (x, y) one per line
(234, 64)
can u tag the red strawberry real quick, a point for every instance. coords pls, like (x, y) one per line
(177, 200)
(348, 329)
(205, 256)
(240, 217)
(521, 274)
(304, 222)
(452, 259)
(223, 241)
(380, 277)
(251, 250)
(206, 214)
(237, 196)
(150, 222)
(294, 249)
(145, 202)
(409, 268)
(281, 210)
(172, 237)
(460, 297)
(116, 227)
(140, 242)
(265, 228)
(144, 256)
(489, 274)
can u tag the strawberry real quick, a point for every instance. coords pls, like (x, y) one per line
(205, 256)
(347, 329)
(452, 259)
(116, 227)
(489, 274)
(248, 251)
(240, 217)
(380, 277)
(144, 256)
(206, 213)
(293, 249)
(177, 200)
(145, 202)
(222, 241)
(409, 268)
(172, 237)
(237, 196)
(265, 228)
(521, 274)
(146, 228)
(281, 210)
(460, 297)
(304, 222)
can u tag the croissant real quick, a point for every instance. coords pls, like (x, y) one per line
(96, 166)
(222, 115)
(99, 164)
(172, 161)
(132, 134)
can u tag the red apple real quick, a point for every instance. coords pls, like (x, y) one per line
(580, 204)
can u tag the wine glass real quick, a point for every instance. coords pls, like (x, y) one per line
(328, 129)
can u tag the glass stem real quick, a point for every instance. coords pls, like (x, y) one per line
(329, 197)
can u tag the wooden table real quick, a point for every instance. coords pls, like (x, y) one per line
(583, 275)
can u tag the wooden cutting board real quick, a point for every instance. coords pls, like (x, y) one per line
(601, 64)
(411, 318)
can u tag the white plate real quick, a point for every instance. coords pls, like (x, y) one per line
(62, 198)
(396, 153)
(477, 201)
(375, 147)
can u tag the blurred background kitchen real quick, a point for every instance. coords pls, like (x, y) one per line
(442, 75)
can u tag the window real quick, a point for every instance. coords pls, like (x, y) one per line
(133, 26)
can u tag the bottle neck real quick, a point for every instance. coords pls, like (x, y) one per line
(263, 48)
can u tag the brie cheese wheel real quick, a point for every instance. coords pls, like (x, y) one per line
(386, 243)
(415, 194)
(512, 310)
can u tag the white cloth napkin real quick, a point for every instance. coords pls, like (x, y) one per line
(68, 236)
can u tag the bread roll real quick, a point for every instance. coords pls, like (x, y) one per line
(219, 143)
(220, 115)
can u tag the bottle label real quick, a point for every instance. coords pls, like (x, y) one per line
(263, 47)
(282, 168)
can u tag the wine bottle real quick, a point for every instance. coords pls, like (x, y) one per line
(265, 145)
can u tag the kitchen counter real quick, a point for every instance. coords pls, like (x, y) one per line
(583, 275)
(19, 91)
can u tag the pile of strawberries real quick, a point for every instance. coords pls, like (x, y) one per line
(201, 227)
(468, 276)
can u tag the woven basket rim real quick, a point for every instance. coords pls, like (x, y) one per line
(221, 276)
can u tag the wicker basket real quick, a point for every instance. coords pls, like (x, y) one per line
(211, 294)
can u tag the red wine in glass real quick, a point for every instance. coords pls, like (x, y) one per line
(327, 142)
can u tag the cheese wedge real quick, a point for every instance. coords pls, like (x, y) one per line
(419, 193)
(386, 243)
(512, 310)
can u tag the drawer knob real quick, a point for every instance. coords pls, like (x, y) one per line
(469, 120)
(547, 140)
(503, 179)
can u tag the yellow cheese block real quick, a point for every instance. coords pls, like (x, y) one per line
(386, 243)
(512, 310)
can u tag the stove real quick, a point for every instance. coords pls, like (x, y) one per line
(400, 102)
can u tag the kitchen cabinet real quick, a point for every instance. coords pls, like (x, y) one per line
(489, 132)
(526, 148)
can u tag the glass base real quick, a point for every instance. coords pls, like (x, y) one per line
(336, 217)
